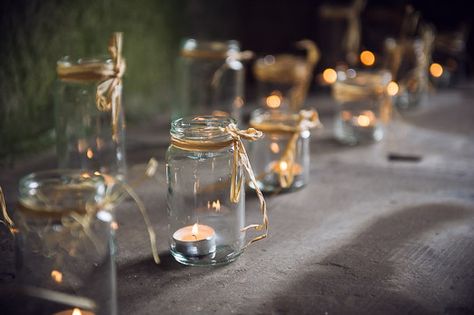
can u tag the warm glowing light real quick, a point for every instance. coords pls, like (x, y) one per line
(363, 120)
(220, 113)
(114, 225)
(283, 166)
(76, 311)
(85, 175)
(90, 153)
(329, 75)
(392, 88)
(195, 229)
(238, 102)
(274, 147)
(273, 101)
(367, 58)
(216, 205)
(97, 173)
(436, 70)
(57, 276)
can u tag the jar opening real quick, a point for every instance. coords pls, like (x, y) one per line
(59, 192)
(208, 128)
(274, 117)
(193, 48)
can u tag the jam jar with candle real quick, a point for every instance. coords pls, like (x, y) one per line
(64, 229)
(89, 116)
(205, 165)
(282, 159)
(364, 105)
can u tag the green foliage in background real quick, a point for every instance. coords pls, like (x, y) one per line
(35, 34)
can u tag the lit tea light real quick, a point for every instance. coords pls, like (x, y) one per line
(274, 147)
(273, 101)
(281, 167)
(57, 276)
(367, 58)
(329, 75)
(365, 119)
(195, 240)
(90, 153)
(74, 311)
(392, 88)
(436, 70)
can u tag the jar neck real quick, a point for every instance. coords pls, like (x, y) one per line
(201, 49)
(201, 128)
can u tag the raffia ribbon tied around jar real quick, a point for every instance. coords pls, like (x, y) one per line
(305, 120)
(240, 159)
(109, 78)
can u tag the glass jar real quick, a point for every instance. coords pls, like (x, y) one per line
(363, 105)
(206, 199)
(210, 79)
(408, 61)
(282, 159)
(65, 243)
(88, 136)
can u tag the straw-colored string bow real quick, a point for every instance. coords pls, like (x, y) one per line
(108, 91)
(241, 159)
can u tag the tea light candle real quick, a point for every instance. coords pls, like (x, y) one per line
(195, 240)
(365, 119)
(281, 167)
(74, 311)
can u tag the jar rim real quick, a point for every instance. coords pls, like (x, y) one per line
(201, 127)
(209, 49)
(70, 61)
(274, 117)
(57, 180)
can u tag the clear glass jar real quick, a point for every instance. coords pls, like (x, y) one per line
(88, 137)
(281, 160)
(363, 105)
(65, 243)
(206, 217)
(210, 79)
(408, 61)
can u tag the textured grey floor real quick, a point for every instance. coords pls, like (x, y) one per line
(365, 236)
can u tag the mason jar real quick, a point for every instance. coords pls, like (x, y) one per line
(210, 79)
(88, 136)
(206, 197)
(65, 243)
(364, 105)
(281, 160)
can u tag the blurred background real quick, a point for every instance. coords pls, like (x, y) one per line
(36, 33)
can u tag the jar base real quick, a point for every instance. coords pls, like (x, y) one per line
(222, 256)
(351, 135)
(274, 187)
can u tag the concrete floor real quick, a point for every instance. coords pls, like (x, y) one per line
(367, 235)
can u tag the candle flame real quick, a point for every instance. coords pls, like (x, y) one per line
(274, 147)
(283, 166)
(57, 276)
(367, 58)
(329, 75)
(195, 229)
(76, 311)
(436, 70)
(114, 225)
(273, 101)
(363, 120)
(90, 153)
(392, 88)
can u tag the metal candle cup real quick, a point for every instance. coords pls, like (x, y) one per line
(195, 240)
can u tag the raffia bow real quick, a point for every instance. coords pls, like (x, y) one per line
(108, 95)
(306, 120)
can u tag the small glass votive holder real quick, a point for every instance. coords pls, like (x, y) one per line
(65, 243)
(206, 199)
(282, 159)
(364, 104)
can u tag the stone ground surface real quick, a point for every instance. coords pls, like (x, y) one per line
(367, 235)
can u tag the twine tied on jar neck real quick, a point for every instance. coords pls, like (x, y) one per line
(240, 159)
(306, 119)
(109, 77)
